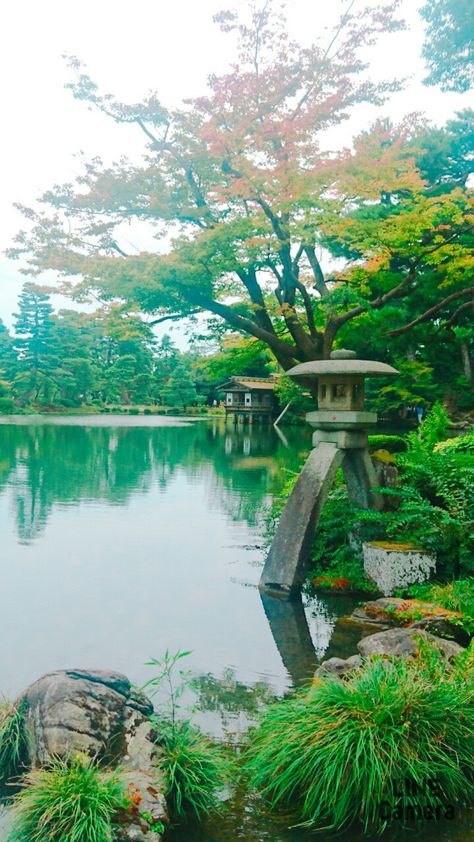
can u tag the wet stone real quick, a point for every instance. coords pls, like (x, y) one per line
(101, 715)
(404, 643)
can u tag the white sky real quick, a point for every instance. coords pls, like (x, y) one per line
(130, 48)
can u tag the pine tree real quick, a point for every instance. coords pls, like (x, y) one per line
(34, 329)
(35, 344)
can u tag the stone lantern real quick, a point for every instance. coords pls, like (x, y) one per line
(340, 440)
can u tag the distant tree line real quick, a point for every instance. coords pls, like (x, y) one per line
(112, 357)
(72, 358)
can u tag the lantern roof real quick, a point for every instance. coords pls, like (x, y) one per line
(342, 362)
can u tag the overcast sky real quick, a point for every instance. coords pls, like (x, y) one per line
(130, 48)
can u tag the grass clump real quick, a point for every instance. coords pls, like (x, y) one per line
(457, 595)
(344, 750)
(195, 770)
(13, 741)
(71, 800)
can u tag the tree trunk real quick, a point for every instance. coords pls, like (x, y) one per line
(466, 363)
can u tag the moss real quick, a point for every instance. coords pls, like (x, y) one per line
(396, 546)
(384, 456)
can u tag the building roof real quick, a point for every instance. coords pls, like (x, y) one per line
(250, 384)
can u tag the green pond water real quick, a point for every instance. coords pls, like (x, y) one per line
(123, 537)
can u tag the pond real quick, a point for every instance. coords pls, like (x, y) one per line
(123, 537)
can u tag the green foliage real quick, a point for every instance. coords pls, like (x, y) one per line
(457, 595)
(195, 769)
(335, 753)
(287, 390)
(6, 398)
(13, 741)
(71, 800)
(448, 48)
(458, 444)
(415, 386)
(179, 390)
(433, 504)
(431, 431)
(434, 508)
(394, 444)
(238, 355)
(332, 551)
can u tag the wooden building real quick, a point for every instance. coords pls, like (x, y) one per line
(250, 397)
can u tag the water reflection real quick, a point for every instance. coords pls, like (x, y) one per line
(289, 625)
(51, 464)
(121, 541)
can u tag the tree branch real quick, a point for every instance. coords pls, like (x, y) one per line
(282, 350)
(319, 282)
(313, 84)
(308, 305)
(172, 317)
(250, 282)
(432, 311)
(467, 305)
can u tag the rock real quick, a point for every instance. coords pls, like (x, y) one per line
(79, 711)
(338, 666)
(151, 801)
(389, 611)
(442, 627)
(404, 643)
(379, 612)
(99, 714)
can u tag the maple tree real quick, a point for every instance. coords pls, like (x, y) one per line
(244, 198)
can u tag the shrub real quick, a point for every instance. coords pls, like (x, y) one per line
(394, 444)
(434, 498)
(432, 430)
(72, 800)
(458, 444)
(13, 741)
(339, 752)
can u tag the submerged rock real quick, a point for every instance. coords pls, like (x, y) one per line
(99, 714)
(338, 666)
(379, 612)
(404, 643)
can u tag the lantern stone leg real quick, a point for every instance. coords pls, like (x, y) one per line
(360, 479)
(286, 562)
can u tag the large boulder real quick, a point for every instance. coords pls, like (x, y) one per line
(99, 714)
(404, 643)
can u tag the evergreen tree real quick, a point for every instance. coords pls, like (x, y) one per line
(180, 390)
(35, 343)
